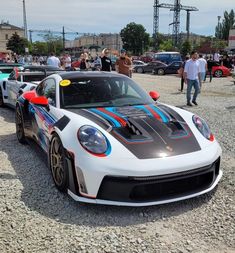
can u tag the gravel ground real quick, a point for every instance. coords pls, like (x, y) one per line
(35, 217)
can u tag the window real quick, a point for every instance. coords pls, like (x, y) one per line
(48, 89)
(6, 36)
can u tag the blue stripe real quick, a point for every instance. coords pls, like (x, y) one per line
(144, 109)
(109, 118)
(113, 110)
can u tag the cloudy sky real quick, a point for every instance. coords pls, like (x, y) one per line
(109, 16)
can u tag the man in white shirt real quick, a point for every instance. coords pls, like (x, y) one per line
(202, 68)
(53, 61)
(192, 77)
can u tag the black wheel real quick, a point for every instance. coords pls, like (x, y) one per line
(161, 72)
(58, 164)
(218, 73)
(1, 99)
(140, 70)
(19, 126)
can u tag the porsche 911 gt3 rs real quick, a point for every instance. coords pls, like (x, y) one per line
(109, 142)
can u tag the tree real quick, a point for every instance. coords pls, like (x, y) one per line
(135, 39)
(17, 44)
(222, 29)
(39, 48)
(186, 48)
(166, 45)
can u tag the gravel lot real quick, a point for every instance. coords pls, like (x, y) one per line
(35, 217)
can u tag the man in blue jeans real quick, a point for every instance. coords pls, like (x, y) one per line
(192, 77)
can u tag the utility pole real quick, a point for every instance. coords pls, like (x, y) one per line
(176, 22)
(25, 21)
(63, 37)
(155, 21)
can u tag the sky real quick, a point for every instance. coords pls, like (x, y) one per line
(109, 16)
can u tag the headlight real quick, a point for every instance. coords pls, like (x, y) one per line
(203, 128)
(93, 141)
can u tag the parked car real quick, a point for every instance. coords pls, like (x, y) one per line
(108, 142)
(7, 68)
(219, 71)
(138, 63)
(167, 57)
(172, 68)
(20, 80)
(148, 68)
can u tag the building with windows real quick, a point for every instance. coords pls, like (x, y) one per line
(93, 42)
(6, 31)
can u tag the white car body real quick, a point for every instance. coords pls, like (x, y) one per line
(121, 162)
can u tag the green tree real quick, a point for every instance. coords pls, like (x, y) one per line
(186, 48)
(39, 47)
(54, 43)
(135, 39)
(17, 44)
(166, 45)
(222, 29)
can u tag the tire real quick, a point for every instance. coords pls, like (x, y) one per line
(58, 164)
(1, 99)
(140, 70)
(160, 72)
(19, 126)
(218, 73)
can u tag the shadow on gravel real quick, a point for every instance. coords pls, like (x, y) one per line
(8, 114)
(39, 194)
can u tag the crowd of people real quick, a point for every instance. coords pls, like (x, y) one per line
(195, 69)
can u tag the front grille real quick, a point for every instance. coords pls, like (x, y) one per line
(156, 188)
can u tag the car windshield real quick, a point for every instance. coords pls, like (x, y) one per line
(88, 92)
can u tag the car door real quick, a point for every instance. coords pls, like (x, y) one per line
(42, 117)
(173, 67)
(13, 83)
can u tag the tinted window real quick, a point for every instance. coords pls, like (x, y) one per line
(102, 92)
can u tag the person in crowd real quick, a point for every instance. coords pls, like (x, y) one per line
(202, 68)
(226, 62)
(210, 64)
(192, 78)
(84, 62)
(123, 64)
(181, 73)
(106, 63)
(216, 56)
(53, 60)
(67, 62)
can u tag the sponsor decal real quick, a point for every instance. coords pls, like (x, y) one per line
(65, 83)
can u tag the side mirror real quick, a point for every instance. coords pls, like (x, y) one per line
(154, 95)
(42, 101)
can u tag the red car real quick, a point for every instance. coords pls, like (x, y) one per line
(219, 71)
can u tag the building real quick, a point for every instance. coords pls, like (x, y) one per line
(95, 43)
(6, 31)
(231, 39)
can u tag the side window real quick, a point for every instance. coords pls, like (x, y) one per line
(47, 88)
(50, 91)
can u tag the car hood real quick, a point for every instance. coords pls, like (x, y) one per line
(148, 131)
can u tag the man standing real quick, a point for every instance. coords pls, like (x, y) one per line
(67, 62)
(192, 78)
(106, 63)
(202, 68)
(53, 60)
(123, 64)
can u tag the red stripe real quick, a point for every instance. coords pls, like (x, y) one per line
(157, 116)
(119, 119)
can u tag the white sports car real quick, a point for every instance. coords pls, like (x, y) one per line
(20, 80)
(109, 142)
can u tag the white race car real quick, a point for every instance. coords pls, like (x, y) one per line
(109, 142)
(20, 80)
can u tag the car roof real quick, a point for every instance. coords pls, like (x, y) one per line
(42, 67)
(79, 74)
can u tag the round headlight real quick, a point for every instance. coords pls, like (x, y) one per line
(93, 140)
(203, 128)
